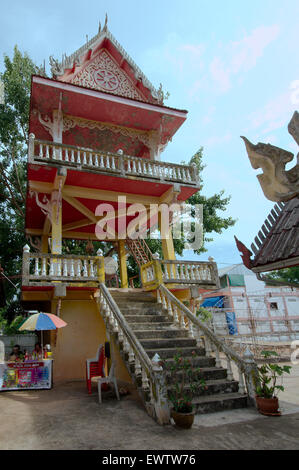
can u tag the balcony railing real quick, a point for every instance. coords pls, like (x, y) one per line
(190, 272)
(183, 273)
(112, 163)
(44, 269)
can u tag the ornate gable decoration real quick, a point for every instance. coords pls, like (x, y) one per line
(117, 74)
(103, 74)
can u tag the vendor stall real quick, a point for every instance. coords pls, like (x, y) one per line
(31, 371)
(27, 375)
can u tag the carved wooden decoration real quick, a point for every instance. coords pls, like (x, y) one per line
(246, 254)
(103, 74)
(278, 184)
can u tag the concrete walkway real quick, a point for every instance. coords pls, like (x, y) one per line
(67, 418)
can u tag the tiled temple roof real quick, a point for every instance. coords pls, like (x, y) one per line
(277, 244)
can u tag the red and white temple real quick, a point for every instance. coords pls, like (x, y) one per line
(96, 133)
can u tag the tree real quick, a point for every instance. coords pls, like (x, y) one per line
(13, 147)
(212, 221)
(286, 275)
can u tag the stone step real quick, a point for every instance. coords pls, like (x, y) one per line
(157, 334)
(161, 343)
(160, 333)
(147, 318)
(207, 373)
(144, 309)
(219, 402)
(198, 361)
(211, 387)
(169, 353)
(149, 325)
(122, 297)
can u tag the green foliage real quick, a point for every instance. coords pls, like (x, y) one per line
(78, 247)
(204, 314)
(13, 327)
(12, 310)
(212, 221)
(190, 380)
(13, 147)
(11, 319)
(286, 275)
(268, 374)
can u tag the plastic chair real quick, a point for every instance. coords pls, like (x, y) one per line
(95, 367)
(111, 379)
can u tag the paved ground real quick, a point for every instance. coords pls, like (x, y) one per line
(67, 418)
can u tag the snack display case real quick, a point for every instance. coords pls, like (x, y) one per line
(28, 375)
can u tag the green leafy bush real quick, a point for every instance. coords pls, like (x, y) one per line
(269, 373)
(204, 315)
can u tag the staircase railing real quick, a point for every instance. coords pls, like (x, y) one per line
(139, 250)
(148, 376)
(183, 317)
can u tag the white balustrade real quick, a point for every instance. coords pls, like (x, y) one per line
(247, 368)
(110, 162)
(188, 272)
(242, 388)
(48, 267)
(145, 382)
(229, 369)
(137, 367)
(150, 383)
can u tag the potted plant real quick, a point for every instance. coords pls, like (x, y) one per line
(184, 389)
(268, 387)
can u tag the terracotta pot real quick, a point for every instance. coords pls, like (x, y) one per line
(183, 420)
(267, 405)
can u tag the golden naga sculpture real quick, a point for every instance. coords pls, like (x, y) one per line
(278, 184)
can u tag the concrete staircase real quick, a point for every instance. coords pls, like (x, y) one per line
(157, 334)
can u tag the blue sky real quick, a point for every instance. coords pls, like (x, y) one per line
(231, 64)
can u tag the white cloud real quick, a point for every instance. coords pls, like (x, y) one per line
(220, 75)
(189, 62)
(248, 50)
(195, 50)
(239, 57)
(273, 115)
(217, 140)
(181, 57)
(208, 117)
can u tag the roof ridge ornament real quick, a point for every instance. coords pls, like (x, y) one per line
(58, 68)
(277, 183)
(106, 23)
(104, 30)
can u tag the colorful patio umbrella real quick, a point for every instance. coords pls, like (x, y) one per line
(42, 321)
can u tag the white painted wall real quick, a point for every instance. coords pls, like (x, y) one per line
(292, 305)
(258, 306)
(240, 306)
(280, 304)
